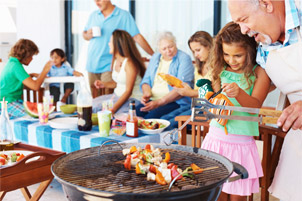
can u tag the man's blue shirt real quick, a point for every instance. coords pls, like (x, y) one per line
(293, 19)
(99, 59)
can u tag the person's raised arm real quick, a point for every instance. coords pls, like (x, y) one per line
(36, 84)
(143, 43)
(87, 35)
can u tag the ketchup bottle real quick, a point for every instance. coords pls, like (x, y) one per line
(132, 122)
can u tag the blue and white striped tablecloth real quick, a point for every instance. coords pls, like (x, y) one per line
(32, 132)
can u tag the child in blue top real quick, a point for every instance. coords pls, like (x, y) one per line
(61, 68)
(245, 84)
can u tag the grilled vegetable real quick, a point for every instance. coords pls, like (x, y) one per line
(186, 174)
(196, 169)
(175, 173)
(20, 157)
(159, 178)
(127, 163)
(167, 157)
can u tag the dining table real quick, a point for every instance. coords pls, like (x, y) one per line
(28, 130)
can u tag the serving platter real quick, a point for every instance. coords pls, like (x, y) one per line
(64, 123)
(9, 153)
(155, 131)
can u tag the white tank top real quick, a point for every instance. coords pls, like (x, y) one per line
(120, 79)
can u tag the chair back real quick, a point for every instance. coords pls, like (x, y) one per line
(33, 96)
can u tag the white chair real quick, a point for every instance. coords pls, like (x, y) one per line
(62, 81)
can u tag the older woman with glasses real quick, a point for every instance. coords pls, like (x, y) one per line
(159, 98)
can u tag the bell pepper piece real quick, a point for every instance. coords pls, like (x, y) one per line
(159, 178)
(127, 163)
(196, 169)
(149, 157)
(20, 157)
(133, 149)
(152, 169)
(147, 147)
(170, 165)
(186, 174)
(175, 173)
(167, 157)
(2, 161)
(137, 169)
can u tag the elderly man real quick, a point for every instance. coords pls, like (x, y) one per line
(106, 19)
(276, 25)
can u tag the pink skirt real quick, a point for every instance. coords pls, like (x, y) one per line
(241, 149)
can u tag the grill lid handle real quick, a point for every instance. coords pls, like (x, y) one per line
(101, 146)
(241, 171)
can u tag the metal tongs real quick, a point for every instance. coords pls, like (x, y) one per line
(201, 113)
(175, 134)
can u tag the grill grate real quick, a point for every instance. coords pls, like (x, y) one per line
(106, 172)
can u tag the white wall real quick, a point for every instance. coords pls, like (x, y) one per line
(41, 21)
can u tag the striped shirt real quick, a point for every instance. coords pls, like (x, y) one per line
(293, 19)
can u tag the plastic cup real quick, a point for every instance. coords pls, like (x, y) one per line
(43, 116)
(96, 31)
(104, 119)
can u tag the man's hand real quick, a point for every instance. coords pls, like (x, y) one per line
(291, 117)
(87, 35)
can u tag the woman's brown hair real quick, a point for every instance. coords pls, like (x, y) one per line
(231, 34)
(124, 44)
(204, 39)
(23, 49)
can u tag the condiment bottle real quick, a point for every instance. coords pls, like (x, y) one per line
(132, 122)
(84, 107)
(6, 134)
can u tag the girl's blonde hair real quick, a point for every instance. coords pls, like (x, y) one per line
(23, 49)
(231, 34)
(204, 39)
(124, 44)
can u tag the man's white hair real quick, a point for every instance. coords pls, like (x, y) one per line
(166, 35)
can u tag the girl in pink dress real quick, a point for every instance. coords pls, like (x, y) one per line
(245, 84)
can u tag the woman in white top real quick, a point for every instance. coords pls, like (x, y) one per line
(127, 71)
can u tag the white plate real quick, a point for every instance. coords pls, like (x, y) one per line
(64, 123)
(156, 131)
(25, 153)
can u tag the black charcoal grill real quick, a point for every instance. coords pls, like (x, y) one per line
(99, 174)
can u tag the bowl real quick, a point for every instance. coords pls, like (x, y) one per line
(68, 109)
(166, 123)
(94, 119)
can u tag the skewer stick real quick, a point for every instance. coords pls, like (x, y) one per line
(203, 169)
